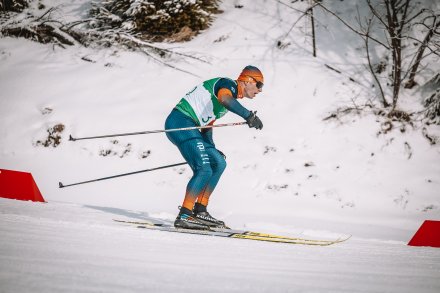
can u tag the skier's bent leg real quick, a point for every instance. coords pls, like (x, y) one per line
(218, 165)
(195, 153)
(196, 185)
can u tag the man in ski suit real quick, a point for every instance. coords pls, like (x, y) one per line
(202, 106)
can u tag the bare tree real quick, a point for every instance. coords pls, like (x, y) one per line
(398, 18)
(307, 12)
(370, 65)
(433, 31)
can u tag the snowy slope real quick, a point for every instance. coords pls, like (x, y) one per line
(59, 247)
(356, 175)
(355, 182)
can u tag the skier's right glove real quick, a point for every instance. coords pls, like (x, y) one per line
(254, 121)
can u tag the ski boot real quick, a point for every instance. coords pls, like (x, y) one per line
(201, 214)
(186, 220)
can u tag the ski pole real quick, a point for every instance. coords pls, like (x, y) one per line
(156, 131)
(61, 185)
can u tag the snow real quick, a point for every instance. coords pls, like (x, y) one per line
(357, 181)
(59, 247)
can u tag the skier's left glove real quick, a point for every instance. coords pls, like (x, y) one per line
(254, 121)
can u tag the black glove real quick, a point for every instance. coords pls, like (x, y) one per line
(254, 121)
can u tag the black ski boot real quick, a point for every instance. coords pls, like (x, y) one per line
(202, 215)
(186, 220)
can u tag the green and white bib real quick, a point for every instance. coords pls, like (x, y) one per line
(202, 104)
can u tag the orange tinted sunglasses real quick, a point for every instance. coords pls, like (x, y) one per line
(259, 84)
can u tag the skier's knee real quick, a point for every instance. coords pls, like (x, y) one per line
(204, 170)
(220, 166)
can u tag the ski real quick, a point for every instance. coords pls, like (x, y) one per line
(231, 233)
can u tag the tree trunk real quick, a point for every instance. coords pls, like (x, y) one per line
(410, 83)
(395, 32)
(313, 28)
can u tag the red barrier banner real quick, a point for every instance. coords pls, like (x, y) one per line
(427, 235)
(19, 185)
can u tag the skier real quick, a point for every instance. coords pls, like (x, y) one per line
(203, 105)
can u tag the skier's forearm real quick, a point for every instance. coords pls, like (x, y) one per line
(235, 107)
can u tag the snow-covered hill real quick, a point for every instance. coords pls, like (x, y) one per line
(300, 174)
